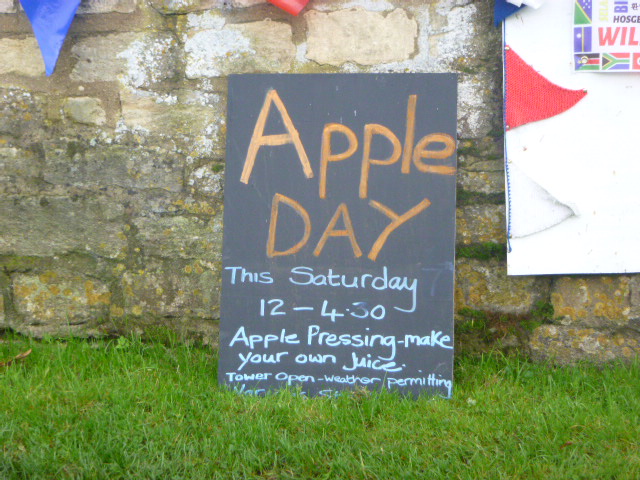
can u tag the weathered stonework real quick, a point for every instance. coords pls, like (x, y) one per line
(50, 304)
(19, 170)
(21, 57)
(182, 6)
(564, 344)
(486, 286)
(481, 223)
(107, 6)
(115, 165)
(85, 110)
(634, 313)
(172, 290)
(7, 6)
(595, 302)
(181, 237)
(111, 170)
(214, 48)
(55, 225)
(367, 38)
(135, 59)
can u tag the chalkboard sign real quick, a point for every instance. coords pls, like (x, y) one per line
(339, 230)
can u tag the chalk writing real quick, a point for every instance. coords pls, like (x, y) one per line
(339, 234)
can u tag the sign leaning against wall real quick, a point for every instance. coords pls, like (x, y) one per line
(338, 260)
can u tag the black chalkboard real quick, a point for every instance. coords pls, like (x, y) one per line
(339, 231)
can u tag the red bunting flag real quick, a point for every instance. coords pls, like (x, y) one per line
(292, 6)
(530, 97)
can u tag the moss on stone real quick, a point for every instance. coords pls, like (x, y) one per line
(465, 197)
(483, 251)
(19, 263)
(478, 331)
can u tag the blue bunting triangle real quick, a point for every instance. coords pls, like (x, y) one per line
(502, 10)
(50, 21)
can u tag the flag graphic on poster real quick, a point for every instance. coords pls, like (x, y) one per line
(606, 36)
(582, 39)
(587, 62)
(616, 61)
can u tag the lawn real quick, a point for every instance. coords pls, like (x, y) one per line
(126, 409)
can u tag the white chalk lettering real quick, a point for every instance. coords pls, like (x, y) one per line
(315, 358)
(307, 276)
(369, 362)
(430, 381)
(436, 339)
(315, 336)
(293, 379)
(352, 379)
(242, 275)
(247, 377)
(260, 358)
(263, 340)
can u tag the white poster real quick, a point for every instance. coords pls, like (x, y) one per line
(573, 183)
(606, 36)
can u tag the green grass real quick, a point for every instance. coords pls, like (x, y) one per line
(124, 409)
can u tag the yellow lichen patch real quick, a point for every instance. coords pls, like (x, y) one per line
(94, 298)
(119, 268)
(48, 277)
(137, 310)
(23, 291)
(54, 289)
(116, 311)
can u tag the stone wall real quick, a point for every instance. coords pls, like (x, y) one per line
(111, 169)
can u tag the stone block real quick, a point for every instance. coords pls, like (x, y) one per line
(567, 345)
(481, 182)
(21, 57)
(486, 286)
(135, 59)
(182, 6)
(480, 224)
(107, 6)
(85, 110)
(360, 36)
(145, 112)
(247, 3)
(594, 301)
(58, 305)
(21, 115)
(20, 171)
(80, 165)
(634, 314)
(181, 237)
(56, 225)
(206, 180)
(213, 48)
(479, 105)
(7, 6)
(172, 290)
